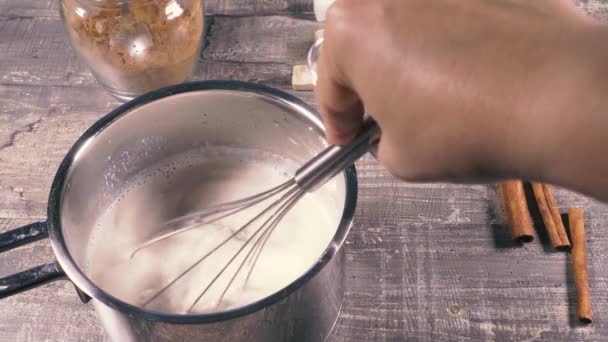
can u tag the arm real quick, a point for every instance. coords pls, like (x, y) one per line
(471, 91)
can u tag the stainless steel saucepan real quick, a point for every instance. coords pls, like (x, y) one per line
(147, 130)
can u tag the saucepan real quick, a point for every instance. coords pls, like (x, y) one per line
(141, 133)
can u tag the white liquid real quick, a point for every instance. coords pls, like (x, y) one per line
(189, 183)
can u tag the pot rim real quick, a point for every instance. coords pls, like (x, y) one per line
(82, 282)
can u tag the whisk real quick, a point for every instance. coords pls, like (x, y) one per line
(314, 173)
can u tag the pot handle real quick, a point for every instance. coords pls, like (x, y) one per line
(33, 277)
(29, 279)
(23, 235)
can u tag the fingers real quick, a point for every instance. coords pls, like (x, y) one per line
(341, 107)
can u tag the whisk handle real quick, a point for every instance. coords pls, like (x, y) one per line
(334, 159)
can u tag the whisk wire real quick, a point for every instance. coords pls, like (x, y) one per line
(307, 178)
(230, 205)
(225, 241)
(272, 220)
(293, 201)
(197, 219)
(255, 252)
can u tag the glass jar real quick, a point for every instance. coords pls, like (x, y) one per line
(320, 8)
(313, 56)
(136, 46)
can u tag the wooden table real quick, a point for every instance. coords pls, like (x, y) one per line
(424, 262)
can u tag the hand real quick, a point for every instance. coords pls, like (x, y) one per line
(463, 91)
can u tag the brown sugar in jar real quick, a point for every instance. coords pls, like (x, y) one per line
(136, 46)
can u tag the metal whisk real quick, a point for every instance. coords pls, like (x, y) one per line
(282, 198)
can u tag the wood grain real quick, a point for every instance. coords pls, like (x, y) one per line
(256, 49)
(427, 262)
(49, 8)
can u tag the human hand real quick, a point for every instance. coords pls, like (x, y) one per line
(462, 90)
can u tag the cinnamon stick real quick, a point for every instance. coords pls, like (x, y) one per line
(557, 218)
(516, 208)
(547, 205)
(579, 264)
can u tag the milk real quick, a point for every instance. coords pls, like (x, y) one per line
(191, 182)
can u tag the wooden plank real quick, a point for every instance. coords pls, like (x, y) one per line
(598, 9)
(258, 8)
(455, 275)
(10, 9)
(260, 39)
(427, 262)
(49, 9)
(37, 127)
(38, 124)
(417, 253)
(52, 312)
(38, 52)
(50, 119)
